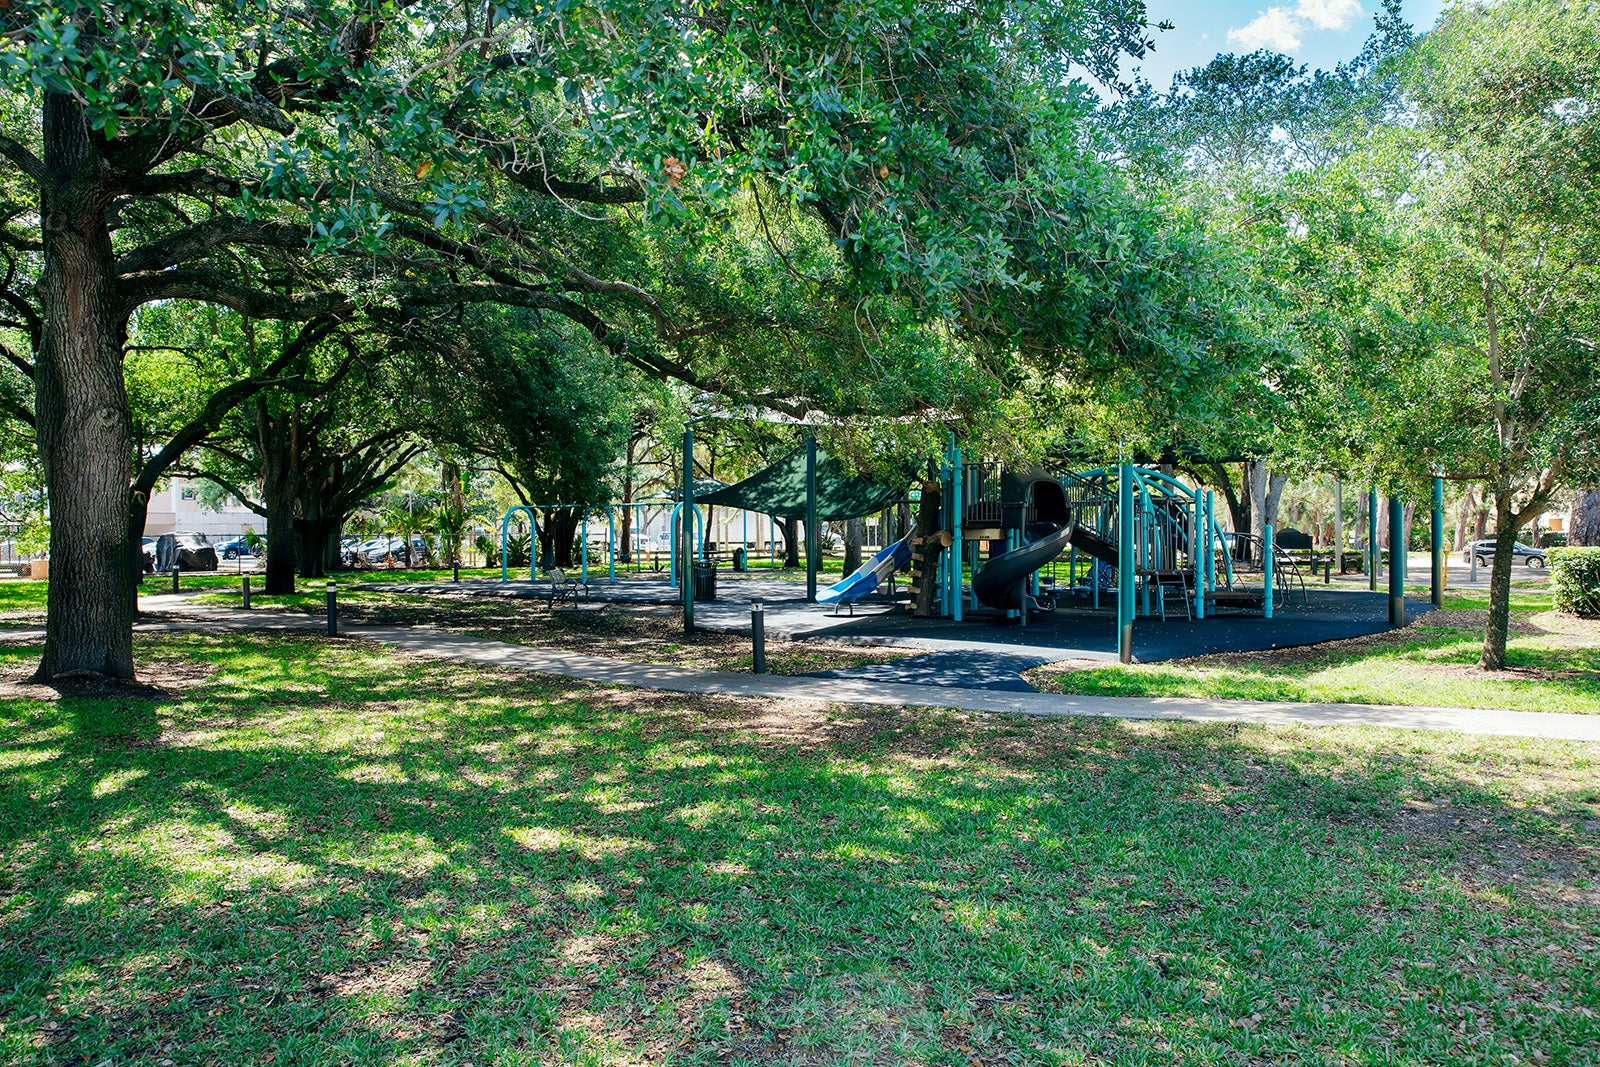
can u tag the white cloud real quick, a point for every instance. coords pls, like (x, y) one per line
(1330, 14)
(1277, 28)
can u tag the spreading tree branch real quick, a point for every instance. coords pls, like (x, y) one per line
(18, 155)
(233, 490)
(17, 361)
(191, 241)
(517, 296)
(215, 287)
(226, 399)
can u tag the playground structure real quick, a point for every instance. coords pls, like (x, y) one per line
(1134, 535)
(1156, 535)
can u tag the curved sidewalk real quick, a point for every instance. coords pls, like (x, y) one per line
(605, 670)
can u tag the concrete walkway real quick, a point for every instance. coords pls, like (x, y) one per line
(605, 670)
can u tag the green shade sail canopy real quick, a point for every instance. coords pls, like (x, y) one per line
(703, 487)
(780, 490)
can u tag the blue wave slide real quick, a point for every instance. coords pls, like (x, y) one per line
(866, 577)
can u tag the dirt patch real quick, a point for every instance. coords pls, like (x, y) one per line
(157, 682)
(646, 634)
(1563, 865)
(1582, 631)
(1463, 619)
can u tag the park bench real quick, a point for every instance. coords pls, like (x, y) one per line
(564, 588)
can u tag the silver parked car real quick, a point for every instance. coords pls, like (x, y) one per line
(1484, 551)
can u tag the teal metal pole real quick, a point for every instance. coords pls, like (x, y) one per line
(505, 524)
(1397, 563)
(1125, 563)
(772, 540)
(943, 569)
(1196, 538)
(687, 552)
(1438, 543)
(1014, 542)
(958, 548)
(583, 551)
(1145, 515)
(813, 535)
(1267, 561)
(1211, 540)
(611, 541)
(1374, 555)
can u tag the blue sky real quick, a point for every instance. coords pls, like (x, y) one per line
(1317, 32)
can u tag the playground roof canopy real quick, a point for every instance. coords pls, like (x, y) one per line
(780, 490)
(703, 487)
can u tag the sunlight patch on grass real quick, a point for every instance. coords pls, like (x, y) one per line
(392, 852)
(389, 773)
(204, 862)
(1420, 667)
(116, 782)
(17, 758)
(547, 839)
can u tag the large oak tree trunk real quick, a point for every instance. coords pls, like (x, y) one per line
(281, 555)
(926, 549)
(791, 542)
(1585, 519)
(556, 535)
(1494, 634)
(319, 545)
(852, 545)
(1266, 490)
(280, 492)
(85, 428)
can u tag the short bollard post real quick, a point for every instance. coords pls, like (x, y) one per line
(758, 636)
(246, 592)
(174, 578)
(333, 610)
(1327, 573)
(455, 566)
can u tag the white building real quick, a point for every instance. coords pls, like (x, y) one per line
(181, 508)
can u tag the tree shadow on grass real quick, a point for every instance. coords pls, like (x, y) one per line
(343, 854)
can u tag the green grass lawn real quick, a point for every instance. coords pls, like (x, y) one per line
(295, 851)
(1553, 664)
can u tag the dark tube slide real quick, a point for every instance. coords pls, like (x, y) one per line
(1002, 582)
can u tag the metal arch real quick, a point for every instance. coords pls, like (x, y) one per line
(1100, 477)
(533, 528)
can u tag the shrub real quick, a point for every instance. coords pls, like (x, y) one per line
(1553, 540)
(489, 549)
(519, 550)
(1575, 581)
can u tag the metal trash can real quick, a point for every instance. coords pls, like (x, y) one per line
(741, 560)
(705, 580)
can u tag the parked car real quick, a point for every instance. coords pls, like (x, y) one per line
(356, 551)
(235, 547)
(1484, 550)
(149, 554)
(387, 549)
